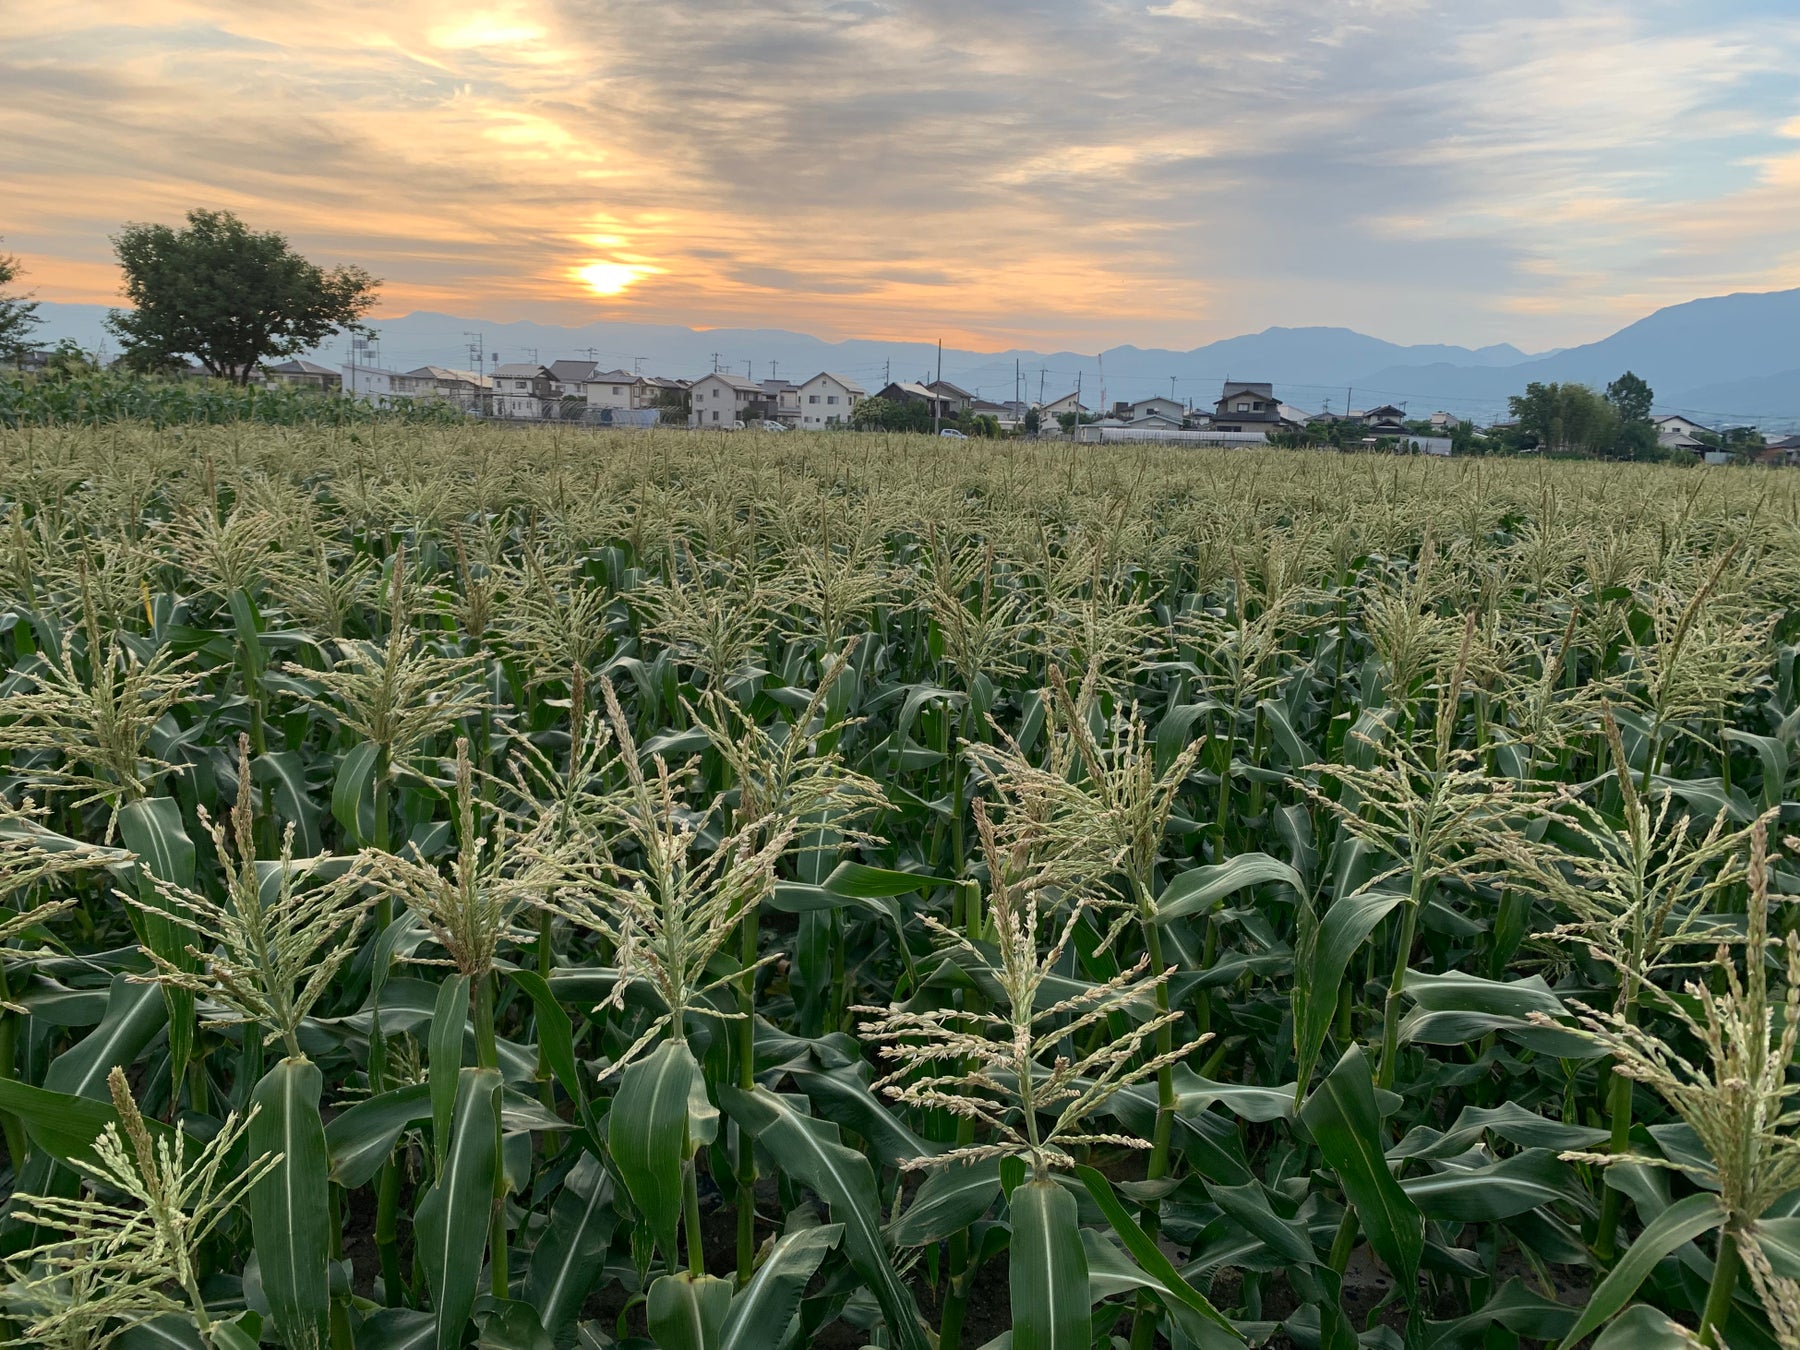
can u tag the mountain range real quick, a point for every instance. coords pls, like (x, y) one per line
(1724, 359)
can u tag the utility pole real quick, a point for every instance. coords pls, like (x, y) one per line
(637, 365)
(937, 406)
(749, 371)
(592, 354)
(1347, 392)
(1172, 397)
(534, 355)
(477, 350)
(772, 366)
(1016, 399)
(715, 363)
(1042, 371)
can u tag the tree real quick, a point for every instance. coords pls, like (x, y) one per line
(228, 296)
(1033, 420)
(18, 313)
(1566, 418)
(1631, 397)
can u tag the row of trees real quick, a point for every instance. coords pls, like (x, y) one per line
(217, 292)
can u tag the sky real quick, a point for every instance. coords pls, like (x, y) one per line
(1070, 173)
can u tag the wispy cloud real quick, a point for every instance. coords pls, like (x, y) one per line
(1055, 172)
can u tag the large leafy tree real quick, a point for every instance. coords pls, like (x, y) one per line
(1567, 418)
(18, 314)
(229, 296)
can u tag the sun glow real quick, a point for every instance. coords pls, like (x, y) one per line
(612, 278)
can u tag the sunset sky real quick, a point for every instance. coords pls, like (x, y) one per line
(1053, 174)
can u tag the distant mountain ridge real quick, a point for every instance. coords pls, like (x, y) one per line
(1719, 359)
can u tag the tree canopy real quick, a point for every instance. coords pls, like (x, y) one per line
(18, 313)
(228, 296)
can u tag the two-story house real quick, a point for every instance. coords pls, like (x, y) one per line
(781, 402)
(826, 400)
(1057, 407)
(1163, 412)
(521, 389)
(610, 389)
(720, 399)
(1246, 406)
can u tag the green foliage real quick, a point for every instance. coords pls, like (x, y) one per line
(18, 313)
(451, 886)
(228, 296)
(87, 397)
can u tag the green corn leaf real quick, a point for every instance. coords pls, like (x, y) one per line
(1642, 1327)
(809, 1150)
(134, 1014)
(353, 792)
(648, 1134)
(152, 828)
(64, 1126)
(359, 1140)
(762, 1311)
(555, 1033)
(1320, 962)
(285, 772)
(290, 1216)
(1199, 889)
(1184, 1301)
(1502, 1190)
(449, 1018)
(858, 882)
(1249, 1206)
(1048, 1270)
(569, 1257)
(950, 1199)
(452, 1220)
(1680, 1223)
(1345, 1124)
(687, 1312)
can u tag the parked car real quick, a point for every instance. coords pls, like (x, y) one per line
(769, 425)
(953, 434)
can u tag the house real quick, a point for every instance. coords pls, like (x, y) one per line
(941, 406)
(371, 383)
(721, 399)
(1010, 415)
(1166, 409)
(461, 387)
(568, 379)
(781, 402)
(657, 391)
(1246, 406)
(1443, 422)
(1674, 428)
(1785, 451)
(1387, 420)
(826, 400)
(960, 399)
(304, 374)
(610, 389)
(521, 389)
(1068, 404)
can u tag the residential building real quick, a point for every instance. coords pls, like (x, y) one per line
(521, 389)
(960, 399)
(306, 374)
(371, 383)
(611, 389)
(781, 402)
(657, 391)
(568, 379)
(826, 400)
(944, 407)
(1167, 409)
(1674, 428)
(1246, 406)
(1009, 414)
(1784, 450)
(1387, 420)
(1445, 422)
(461, 387)
(721, 399)
(1057, 407)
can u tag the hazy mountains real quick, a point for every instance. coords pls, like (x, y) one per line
(1725, 359)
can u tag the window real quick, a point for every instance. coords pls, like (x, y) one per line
(518, 384)
(1243, 407)
(812, 398)
(831, 398)
(715, 414)
(615, 389)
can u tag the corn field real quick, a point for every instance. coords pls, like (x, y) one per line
(472, 887)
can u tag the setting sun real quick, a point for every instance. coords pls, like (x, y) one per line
(612, 278)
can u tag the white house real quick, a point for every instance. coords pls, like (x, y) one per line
(1068, 403)
(1165, 408)
(826, 400)
(521, 389)
(720, 399)
(611, 389)
(371, 383)
(1675, 429)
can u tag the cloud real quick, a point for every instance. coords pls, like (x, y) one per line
(1052, 172)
